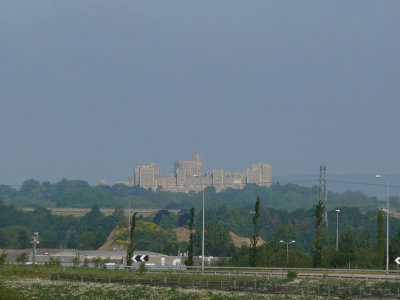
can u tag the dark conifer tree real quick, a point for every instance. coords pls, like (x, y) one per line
(189, 261)
(131, 246)
(380, 242)
(254, 237)
(317, 247)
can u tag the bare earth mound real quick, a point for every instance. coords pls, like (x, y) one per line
(109, 244)
(183, 234)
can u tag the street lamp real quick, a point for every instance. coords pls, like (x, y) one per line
(202, 241)
(35, 241)
(337, 229)
(387, 221)
(287, 249)
(202, 237)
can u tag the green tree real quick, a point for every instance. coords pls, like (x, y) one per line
(189, 261)
(3, 257)
(14, 237)
(286, 232)
(151, 237)
(88, 241)
(318, 246)
(131, 246)
(380, 253)
(72, 238)
(346, 248)
(217, 240)
(254, 237)
(119, 214)
(394, 249)
(21, 259)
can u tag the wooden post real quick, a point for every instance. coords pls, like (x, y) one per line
(255, 283)
(329, 290)
(165, 280)
(234, 284)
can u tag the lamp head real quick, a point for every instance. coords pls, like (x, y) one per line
(378, 176)
(338, 210)
(293, 241)
(281, 241)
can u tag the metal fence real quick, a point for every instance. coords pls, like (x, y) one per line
(358, 274)
(262, 286)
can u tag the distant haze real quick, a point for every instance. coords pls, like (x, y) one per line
(90, 89)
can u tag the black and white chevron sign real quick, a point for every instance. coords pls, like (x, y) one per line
(140, 258)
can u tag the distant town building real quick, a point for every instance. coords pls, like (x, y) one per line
(188, 176)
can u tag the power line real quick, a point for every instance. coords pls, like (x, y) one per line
(364, 183)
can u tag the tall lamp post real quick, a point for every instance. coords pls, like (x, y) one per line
(287, 249)
(337, 229)
(35, 241)
(202, 240)
(387, 221)
(202, 235)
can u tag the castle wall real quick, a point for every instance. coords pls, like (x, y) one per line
(188, 177)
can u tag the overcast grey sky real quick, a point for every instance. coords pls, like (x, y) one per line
(90, 89)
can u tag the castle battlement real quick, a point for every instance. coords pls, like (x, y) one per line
(188, 177)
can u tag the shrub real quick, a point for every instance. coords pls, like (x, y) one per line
(55, 262)
(142, 268)
(291, 275)
(97, 262)
(21, 258)
(76, 260)
(3, 257)
(85, 263)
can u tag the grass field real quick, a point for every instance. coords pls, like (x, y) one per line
(30, 288)
(34, 282)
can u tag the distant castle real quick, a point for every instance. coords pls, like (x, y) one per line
(188, 177)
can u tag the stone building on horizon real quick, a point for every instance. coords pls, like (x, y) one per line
(188, 176)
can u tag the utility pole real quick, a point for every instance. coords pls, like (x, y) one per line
(35, 241)
(337, 229)
(323, 193)
(387, 221)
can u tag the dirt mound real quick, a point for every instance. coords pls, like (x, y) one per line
(238, 241)
(109, 244)
(183, 234)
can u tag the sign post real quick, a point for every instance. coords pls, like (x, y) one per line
(140, 258)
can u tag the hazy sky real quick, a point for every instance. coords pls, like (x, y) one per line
(90, 89)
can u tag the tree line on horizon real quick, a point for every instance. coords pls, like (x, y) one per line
(360, 234)
(79, 194)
